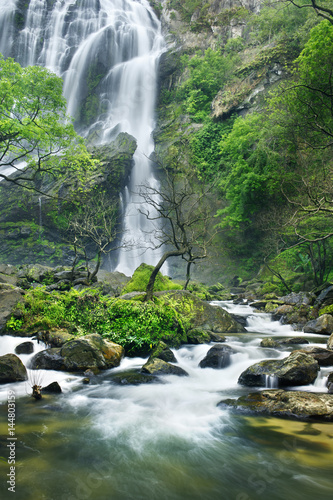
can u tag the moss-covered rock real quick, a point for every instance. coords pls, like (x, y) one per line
(162, 351)
(157, 366)
(12, 369)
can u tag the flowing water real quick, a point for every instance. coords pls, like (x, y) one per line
(107, 52)
(167, 440)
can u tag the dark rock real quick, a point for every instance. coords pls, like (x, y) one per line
(217, 357)
(298, 405)
(133, 377)
(162, 351)
(50, 359)
(325, 298)
(330, 342)
(297, 369)
(215, 337)
(12, 369)
(53, 388)
(323, 356)
(321, 325)
(54, 338)
(24, 348)
(198, 336)
(9, 298)
(159, 367)
(329, 383)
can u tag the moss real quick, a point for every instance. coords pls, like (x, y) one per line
(326, 310)
(140, 279)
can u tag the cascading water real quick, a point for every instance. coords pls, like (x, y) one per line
(107, 53)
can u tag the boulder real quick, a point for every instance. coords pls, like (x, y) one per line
(271, 342)
(217, 357)
(54, 338)
(200, 314)
(159, 367)
(12, 369)
(321, 325)
(330, 342)
(83, 353)
(323, 356)
(133, 377)
(298, 299)
(162, 351)
(297, 369)
(325, 298)
(24, 348)
(198, 336)
(53, 388)
(298, 405)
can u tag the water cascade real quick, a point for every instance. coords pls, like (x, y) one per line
(165, 440)
(107, 53)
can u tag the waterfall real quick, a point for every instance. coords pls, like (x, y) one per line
(107, 53)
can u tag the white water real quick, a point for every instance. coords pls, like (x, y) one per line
(111, 47)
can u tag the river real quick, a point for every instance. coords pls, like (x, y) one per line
(166, 440)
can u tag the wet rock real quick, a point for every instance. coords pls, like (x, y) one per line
(198, 336)
(330, 342)
(159, 367)
(162, 351)
(323, 356)
(297, 369)
(216, 337)
(325, 298)
(329, 383)
(271, 342)
(133, 377)
(299, 299)
(217, 357)
(24, 348)
(54, 338)
(50, 359)
(53, 388)
(321, 325)
(298, 405)
(12, 369)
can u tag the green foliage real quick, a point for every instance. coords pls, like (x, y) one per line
(135, 325)
(208, 73)
(140, 278)
(326, 310)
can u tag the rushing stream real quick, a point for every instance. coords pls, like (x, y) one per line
(166, 440)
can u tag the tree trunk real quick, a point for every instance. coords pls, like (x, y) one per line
(151, 282)
(188, 274)
(98, 263)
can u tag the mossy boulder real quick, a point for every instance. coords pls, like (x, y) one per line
(9, 298)
(198, 314)
(217, 357)
(54, 338)
(89, 352)
(321, 325)
(276, 343)
(162, 351)
(133, 377)
(12, 369)
(323, 356)
(24, 348)
(298, 405)
(140, 278)
(157, 366)
(297, 369)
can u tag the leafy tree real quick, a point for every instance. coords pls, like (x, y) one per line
(36, 136)
(323, 8)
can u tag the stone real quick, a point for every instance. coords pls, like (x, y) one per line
(297, 369)
(162, 351)
(53, 388)
(298, 299)
(12, 369)
(323, 356)
(298, 405)
(50, 359)
(133, 377)
(9, 298)
(216, 337)
(54, 338)
(198, 336)
(217, 357)
(330, 342)
(24, 348)
(321, 325)
(329, 383)
(159, 367)
(276, 343)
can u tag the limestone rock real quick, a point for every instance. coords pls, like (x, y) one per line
(297, 369)
(288, 404)
(12, 369)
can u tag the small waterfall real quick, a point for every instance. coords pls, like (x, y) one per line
(107, 52)
(271, 382)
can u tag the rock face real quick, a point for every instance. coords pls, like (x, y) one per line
(9, 297)
(55, 338)
(217, 357)
(288, 404)
(159, 367)
(296, 369)
(12, 369)
(322, 325)
(89, 352)
(323, 356)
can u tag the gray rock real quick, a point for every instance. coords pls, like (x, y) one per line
(162, 351)
(217, 357)
(9, 298)
(297, 369)
(24, 348)
(271, 342)
(298, 405)
(321, 325)
(329, 383)
(53, 388)
(12, 369)
(330, 342)
(323, 356)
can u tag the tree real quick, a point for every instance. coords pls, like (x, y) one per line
(36, 136)
(181, 206)
(92, 230)
(321, 8)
